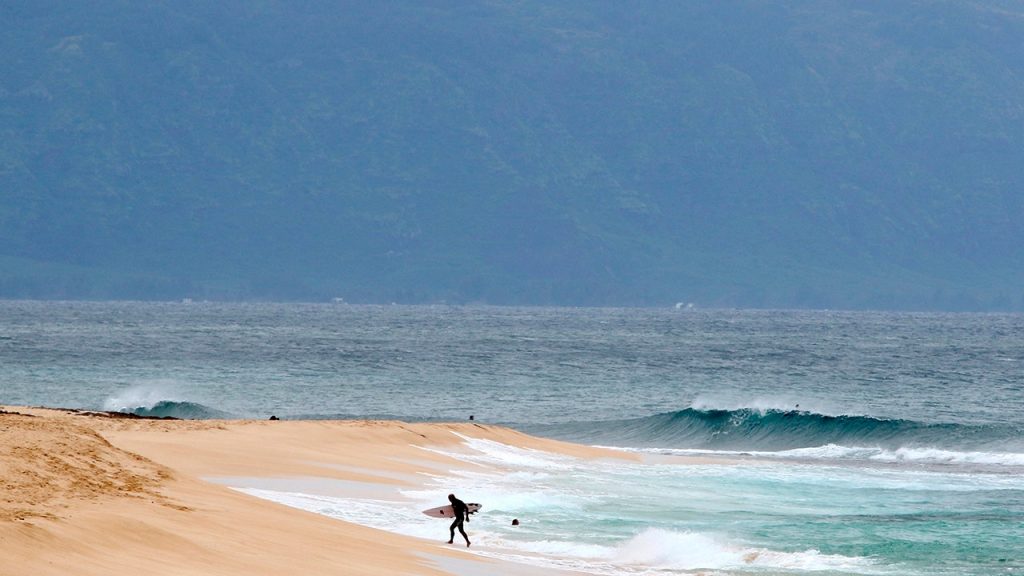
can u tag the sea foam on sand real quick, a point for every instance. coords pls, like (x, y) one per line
(92, 494)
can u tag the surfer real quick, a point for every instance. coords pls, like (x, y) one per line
(461, 513)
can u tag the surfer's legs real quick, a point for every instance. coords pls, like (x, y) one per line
(451, 529)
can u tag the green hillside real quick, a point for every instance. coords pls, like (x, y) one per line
(767, 153)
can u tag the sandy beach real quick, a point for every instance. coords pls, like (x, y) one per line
(91, 493)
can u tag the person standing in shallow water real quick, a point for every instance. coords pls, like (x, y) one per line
(461, 514)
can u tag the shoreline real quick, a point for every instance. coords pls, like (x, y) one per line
(89, 492)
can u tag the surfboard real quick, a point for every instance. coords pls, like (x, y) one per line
(449, 512)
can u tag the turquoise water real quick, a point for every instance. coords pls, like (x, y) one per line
(668, 516)
(779, 517)
(840, 443)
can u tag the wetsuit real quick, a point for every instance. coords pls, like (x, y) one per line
(461, 515)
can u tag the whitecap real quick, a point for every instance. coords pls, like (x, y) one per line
(144, 395)
(670, 550)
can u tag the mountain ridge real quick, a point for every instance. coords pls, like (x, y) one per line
(762, 154)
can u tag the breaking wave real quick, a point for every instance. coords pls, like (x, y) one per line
(775, 430)
(157, 401)
(172, 409)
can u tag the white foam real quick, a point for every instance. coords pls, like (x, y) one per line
(651, 549)
(390, 515)
(669, 550)
(144, 395)
(947, 456)
(660, 550)
(556, 505)
(676, 551)
(506, 456)
(921, 455)
(562, 549)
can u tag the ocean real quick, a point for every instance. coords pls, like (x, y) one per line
(828, 442)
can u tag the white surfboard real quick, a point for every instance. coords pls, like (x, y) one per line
(449, 512)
